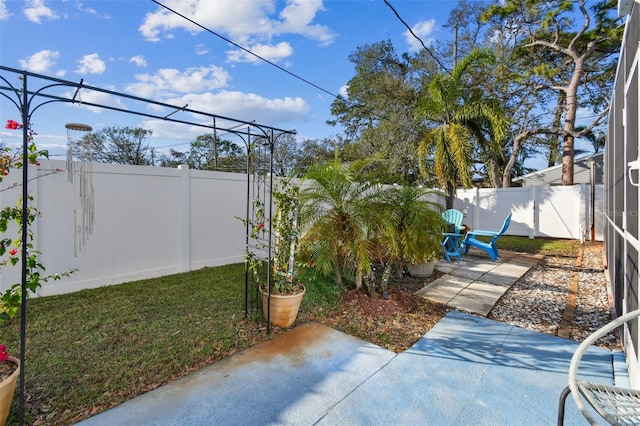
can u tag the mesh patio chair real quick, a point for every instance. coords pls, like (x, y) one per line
(616, 405)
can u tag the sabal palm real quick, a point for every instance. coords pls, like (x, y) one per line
(459, 111)
(336, 213)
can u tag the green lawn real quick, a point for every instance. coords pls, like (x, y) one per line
(94, 349)
(545, 246)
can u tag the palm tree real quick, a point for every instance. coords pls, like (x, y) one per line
(458, 111)
(336, 215)
(410, 224)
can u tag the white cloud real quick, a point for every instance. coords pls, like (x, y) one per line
(36, 10)
(272, 53)
(139, 61)
(168, 81)
(98, 98)
(344, 91)
(41, 61)
(283, 112)
(81, 7)
(4, 12)
(91, 64)
(245, 22)
(247, 106)
(424, 30)
(201, 49)
(229, 16)
(297, 18)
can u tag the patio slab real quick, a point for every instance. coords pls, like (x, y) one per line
(478, 298)
(475, 284)
(443, 289)
(465, 370)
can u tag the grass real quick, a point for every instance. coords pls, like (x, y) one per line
(94, 349)
(546, 246)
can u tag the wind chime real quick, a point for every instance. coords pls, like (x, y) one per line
(80, 176)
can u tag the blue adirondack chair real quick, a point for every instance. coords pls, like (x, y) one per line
(454, 217)
(471, 239)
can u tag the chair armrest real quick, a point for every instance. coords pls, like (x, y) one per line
(482, 233)
(577, 356)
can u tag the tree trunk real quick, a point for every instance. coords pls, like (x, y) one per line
(493, 171)
(506, 175)
(451, 195)
(567, 160)
(338, 272)
(570, 122)
(554, 144)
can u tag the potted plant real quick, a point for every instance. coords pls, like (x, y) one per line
(281, 293)
(413, 232)
(9, 372)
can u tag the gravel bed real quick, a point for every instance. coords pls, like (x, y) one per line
(537, 301)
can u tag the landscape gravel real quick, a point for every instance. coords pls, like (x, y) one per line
(538, 300)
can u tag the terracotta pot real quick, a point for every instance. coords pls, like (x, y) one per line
(284, 308)
(422, 270)
(7, 389)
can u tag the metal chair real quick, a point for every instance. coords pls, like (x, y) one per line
(616, 405)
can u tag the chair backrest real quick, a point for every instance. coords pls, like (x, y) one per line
(454, 217)
(502, 230)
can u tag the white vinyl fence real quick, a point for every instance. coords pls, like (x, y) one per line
(537, 211)
(151, 221)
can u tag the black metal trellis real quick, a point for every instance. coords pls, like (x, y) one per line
(259, 242)
(50, 90)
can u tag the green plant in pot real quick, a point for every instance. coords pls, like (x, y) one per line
(281, 293)
(412, 227)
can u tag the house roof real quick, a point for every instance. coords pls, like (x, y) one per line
(558, 168)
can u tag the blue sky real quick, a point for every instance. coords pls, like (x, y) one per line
(140, 48)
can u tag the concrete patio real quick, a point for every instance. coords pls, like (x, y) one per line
(476, 283)
(465, 370)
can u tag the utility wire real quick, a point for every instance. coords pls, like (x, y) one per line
(250, 52)
(416, 37)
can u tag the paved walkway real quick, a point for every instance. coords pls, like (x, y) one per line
(466, 370)
(476, 283)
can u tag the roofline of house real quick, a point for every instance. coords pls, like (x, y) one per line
(538, 172)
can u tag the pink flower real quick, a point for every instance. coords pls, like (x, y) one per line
(13, 251)
(4, 355)
(13, 125)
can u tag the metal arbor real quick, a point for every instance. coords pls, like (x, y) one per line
(34, 91)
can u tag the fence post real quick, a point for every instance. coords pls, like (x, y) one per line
(184, 199)
(535, 214)
(583, 212)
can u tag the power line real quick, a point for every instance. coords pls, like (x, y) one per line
(250, 52)
(416, 37)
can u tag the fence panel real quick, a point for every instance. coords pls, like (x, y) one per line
(152, 221)
(149, 222)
